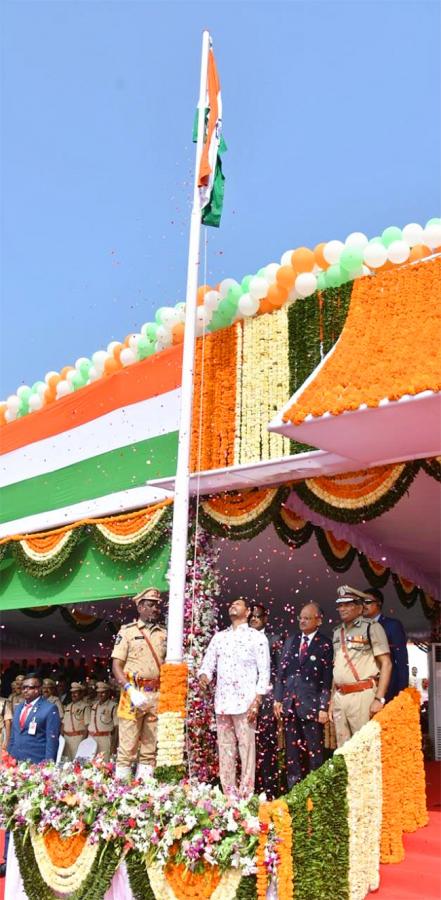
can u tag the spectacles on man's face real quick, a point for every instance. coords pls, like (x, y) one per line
(307, 618)
(368, 602)
(31, 687)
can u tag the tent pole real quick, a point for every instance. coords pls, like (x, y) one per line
(178, 562)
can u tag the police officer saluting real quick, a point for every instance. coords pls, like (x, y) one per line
(137, 658)
(362, 666)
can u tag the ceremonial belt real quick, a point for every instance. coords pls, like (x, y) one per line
(100, 733)
(147, 684)
(358, 686)
(73, 733)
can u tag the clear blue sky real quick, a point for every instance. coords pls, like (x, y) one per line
(331, 116)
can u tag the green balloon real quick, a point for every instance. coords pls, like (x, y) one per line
(85, 368)
(321, 281)
(151, 330)
(215, 322)
(78, 381)
(227, 307)
(376, 240)
(145, 347)
(245, 283)
(351, 259)
(333, 276)
(434, 221)
(261, 272)
(158, 315)
(23, 409)
(234, 293)
(37, 385)
(391, 234)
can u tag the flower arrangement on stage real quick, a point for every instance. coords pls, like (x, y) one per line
(274, 852)
(171, 721)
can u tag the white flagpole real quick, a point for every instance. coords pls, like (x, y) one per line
(178, 562)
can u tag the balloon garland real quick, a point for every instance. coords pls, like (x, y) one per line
(300, 274)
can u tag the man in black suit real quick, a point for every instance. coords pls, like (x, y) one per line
(302, 694)
(267, 771)
(396, 635)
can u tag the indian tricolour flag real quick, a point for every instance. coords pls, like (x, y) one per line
(211, 180)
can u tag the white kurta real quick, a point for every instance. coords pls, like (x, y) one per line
(241, 659)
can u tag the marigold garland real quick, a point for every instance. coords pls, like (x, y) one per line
(214, 400)
(241, 514)
(384, 314)
(63, 852)
(275, 813)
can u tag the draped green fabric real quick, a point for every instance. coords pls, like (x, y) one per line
(87, 575)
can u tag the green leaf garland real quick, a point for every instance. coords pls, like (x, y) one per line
(247, 889)
(41, 568)
(94, 886)
(249, 529)
(337, 563)
(293, 537)
(374, 579)
(432, 467)
(138, 548)
(319, 811)
(138, 877)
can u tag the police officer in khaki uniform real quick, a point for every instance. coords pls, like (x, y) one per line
(16, 697)
(90, 689)
(362, 666)
(5, 722)
(103, 721)
(75, 721)
(137, 658)
(49, 692)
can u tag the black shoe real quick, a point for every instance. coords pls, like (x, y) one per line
(2, 869)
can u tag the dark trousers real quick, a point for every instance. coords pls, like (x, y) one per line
(304, 747)
(267, 774)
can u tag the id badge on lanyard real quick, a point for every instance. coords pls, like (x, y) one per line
(32, 727)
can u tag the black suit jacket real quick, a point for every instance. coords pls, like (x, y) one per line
(396, 636)
(305, 686)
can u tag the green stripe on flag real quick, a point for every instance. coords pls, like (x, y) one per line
(117, 470)
(211, 214)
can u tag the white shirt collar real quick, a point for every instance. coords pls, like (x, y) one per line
(310, 636)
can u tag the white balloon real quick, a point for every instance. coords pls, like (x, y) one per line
(413, 234)
(41, 388)
(211, 300)
(169, 316)
(98, 359)
(365, 271)
(180, 311)
(398, 252)
(271, 271)
(305, 284)
(258, 288)
(23, 389)
(49, 375)
(133, 342)
(357, 239)
(225, 286)
(432, 237)
(128, 357)
(70, 376)
(375, 255)
(161, 345)
(332, 251)
(63, 388)
(111, 347)
(248, 305)
(13, 402)
(10, 415)
(163, 336)
(35, 402)
(82, 359)
(286, 258)
(93, 374)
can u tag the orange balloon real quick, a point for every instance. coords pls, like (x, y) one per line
(303, 259)
(277, 295)
(116, 352)
(286, 277)
(53, 381)
(178, 333)
(265, 306)
(2, 413)
(111, 366)
(419, 251)
(318, 255)
(202, 290)
(386, 266)
(49, 395)
(65, 370)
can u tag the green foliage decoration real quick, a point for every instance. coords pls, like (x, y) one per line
(94, 886)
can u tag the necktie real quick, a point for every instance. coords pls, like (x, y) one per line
(24, 714)
(303, 648)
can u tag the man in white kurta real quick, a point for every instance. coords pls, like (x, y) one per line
(240, 657)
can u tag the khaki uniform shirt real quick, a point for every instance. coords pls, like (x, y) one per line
(102, 717)
(53, 699)
(5, 714)
(75, 718)
(15, 700)
(135, 654)
(359, 650)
